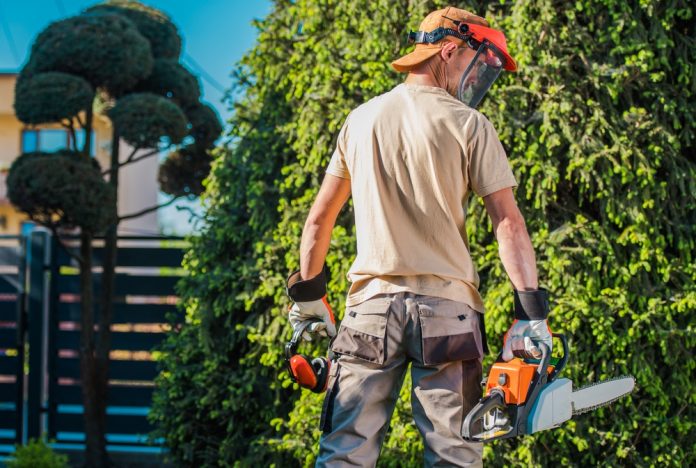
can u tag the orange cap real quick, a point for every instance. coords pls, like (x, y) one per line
(443, 18)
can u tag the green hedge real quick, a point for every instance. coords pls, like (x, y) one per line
(599, 129)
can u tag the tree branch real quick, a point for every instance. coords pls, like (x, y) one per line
(79, 120)
(132, 155)
(147, 210)
(73, 136)
(192, 213)
(142, 156)
(132, 160)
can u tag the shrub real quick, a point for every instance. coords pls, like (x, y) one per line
(36, 454)
(61, 189)
(144, 119)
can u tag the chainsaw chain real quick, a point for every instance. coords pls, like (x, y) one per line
(600, 405)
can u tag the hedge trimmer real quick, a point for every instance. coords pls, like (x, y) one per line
(526, 396)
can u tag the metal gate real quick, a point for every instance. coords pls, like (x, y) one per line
(40, 393)
(12, 327)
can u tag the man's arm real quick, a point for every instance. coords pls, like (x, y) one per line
(515, 248)
(517, 254)
(316, 235)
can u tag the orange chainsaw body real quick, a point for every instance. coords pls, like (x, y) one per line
(513, 378)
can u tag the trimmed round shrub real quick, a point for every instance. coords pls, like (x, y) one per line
(183, 171)
(61, 189)
(173, 81)
(205, 125)
(153, 24)
(51, 97)
(106, 50)
(144, 119)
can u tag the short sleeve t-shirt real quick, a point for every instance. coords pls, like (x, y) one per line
(413, 156)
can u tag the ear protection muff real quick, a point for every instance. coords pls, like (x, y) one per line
(310, 373)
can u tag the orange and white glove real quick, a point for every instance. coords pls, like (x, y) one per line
(309, 297)
(530, 327)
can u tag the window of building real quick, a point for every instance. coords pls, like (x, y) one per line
(30, 141)
(53, 139)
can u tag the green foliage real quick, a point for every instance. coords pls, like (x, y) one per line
(36, 454)
(172, 80)
(599, 129)
(144, 119)
(51, 97)
(153, 24)
(182, 173)
(61, 189)
(106, 50)
(206, 371)
(205, 125)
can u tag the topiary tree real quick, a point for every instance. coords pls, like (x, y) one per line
(61, 189)
(51, 97)
(106, 50)
(172, 80)
(127, 53)
(598, 126)
(154, 25)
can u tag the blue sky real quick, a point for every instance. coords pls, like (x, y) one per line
(216, 33)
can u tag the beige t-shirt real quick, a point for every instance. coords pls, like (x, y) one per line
(413, 155)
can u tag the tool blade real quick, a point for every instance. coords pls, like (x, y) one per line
(601, 394)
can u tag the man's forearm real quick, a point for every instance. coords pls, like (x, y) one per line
(517, 254)
(316, 237)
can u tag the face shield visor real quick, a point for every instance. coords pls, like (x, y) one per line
(480, 74)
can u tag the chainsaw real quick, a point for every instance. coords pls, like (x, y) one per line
(524, 396)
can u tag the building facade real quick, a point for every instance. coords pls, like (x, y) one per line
(138, 187)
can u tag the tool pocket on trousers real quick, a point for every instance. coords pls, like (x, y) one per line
(450, 331)
(363, 329)
(331, 392)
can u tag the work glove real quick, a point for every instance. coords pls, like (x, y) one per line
(530, 327)
(309, 297)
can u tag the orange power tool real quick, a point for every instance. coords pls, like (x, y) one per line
(526, 396)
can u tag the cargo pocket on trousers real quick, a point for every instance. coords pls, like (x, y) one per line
(450, 332)
(362, 331)
(331, 392)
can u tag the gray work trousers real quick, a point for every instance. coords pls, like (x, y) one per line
(375, 343)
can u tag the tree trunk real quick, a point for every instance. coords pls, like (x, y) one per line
(95, 443)
(107, 285)
(86, 149)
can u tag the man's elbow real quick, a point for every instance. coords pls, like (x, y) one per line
(319, 219)
(511, 227)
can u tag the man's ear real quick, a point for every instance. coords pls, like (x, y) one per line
(447, 51)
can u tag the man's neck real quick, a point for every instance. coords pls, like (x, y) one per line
(423, 78)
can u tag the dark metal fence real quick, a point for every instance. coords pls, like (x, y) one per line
(147, 270)
(12, 326)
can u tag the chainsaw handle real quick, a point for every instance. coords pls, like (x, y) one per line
(560, 365)
(545, 358)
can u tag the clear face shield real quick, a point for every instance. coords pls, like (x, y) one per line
(480, 74)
